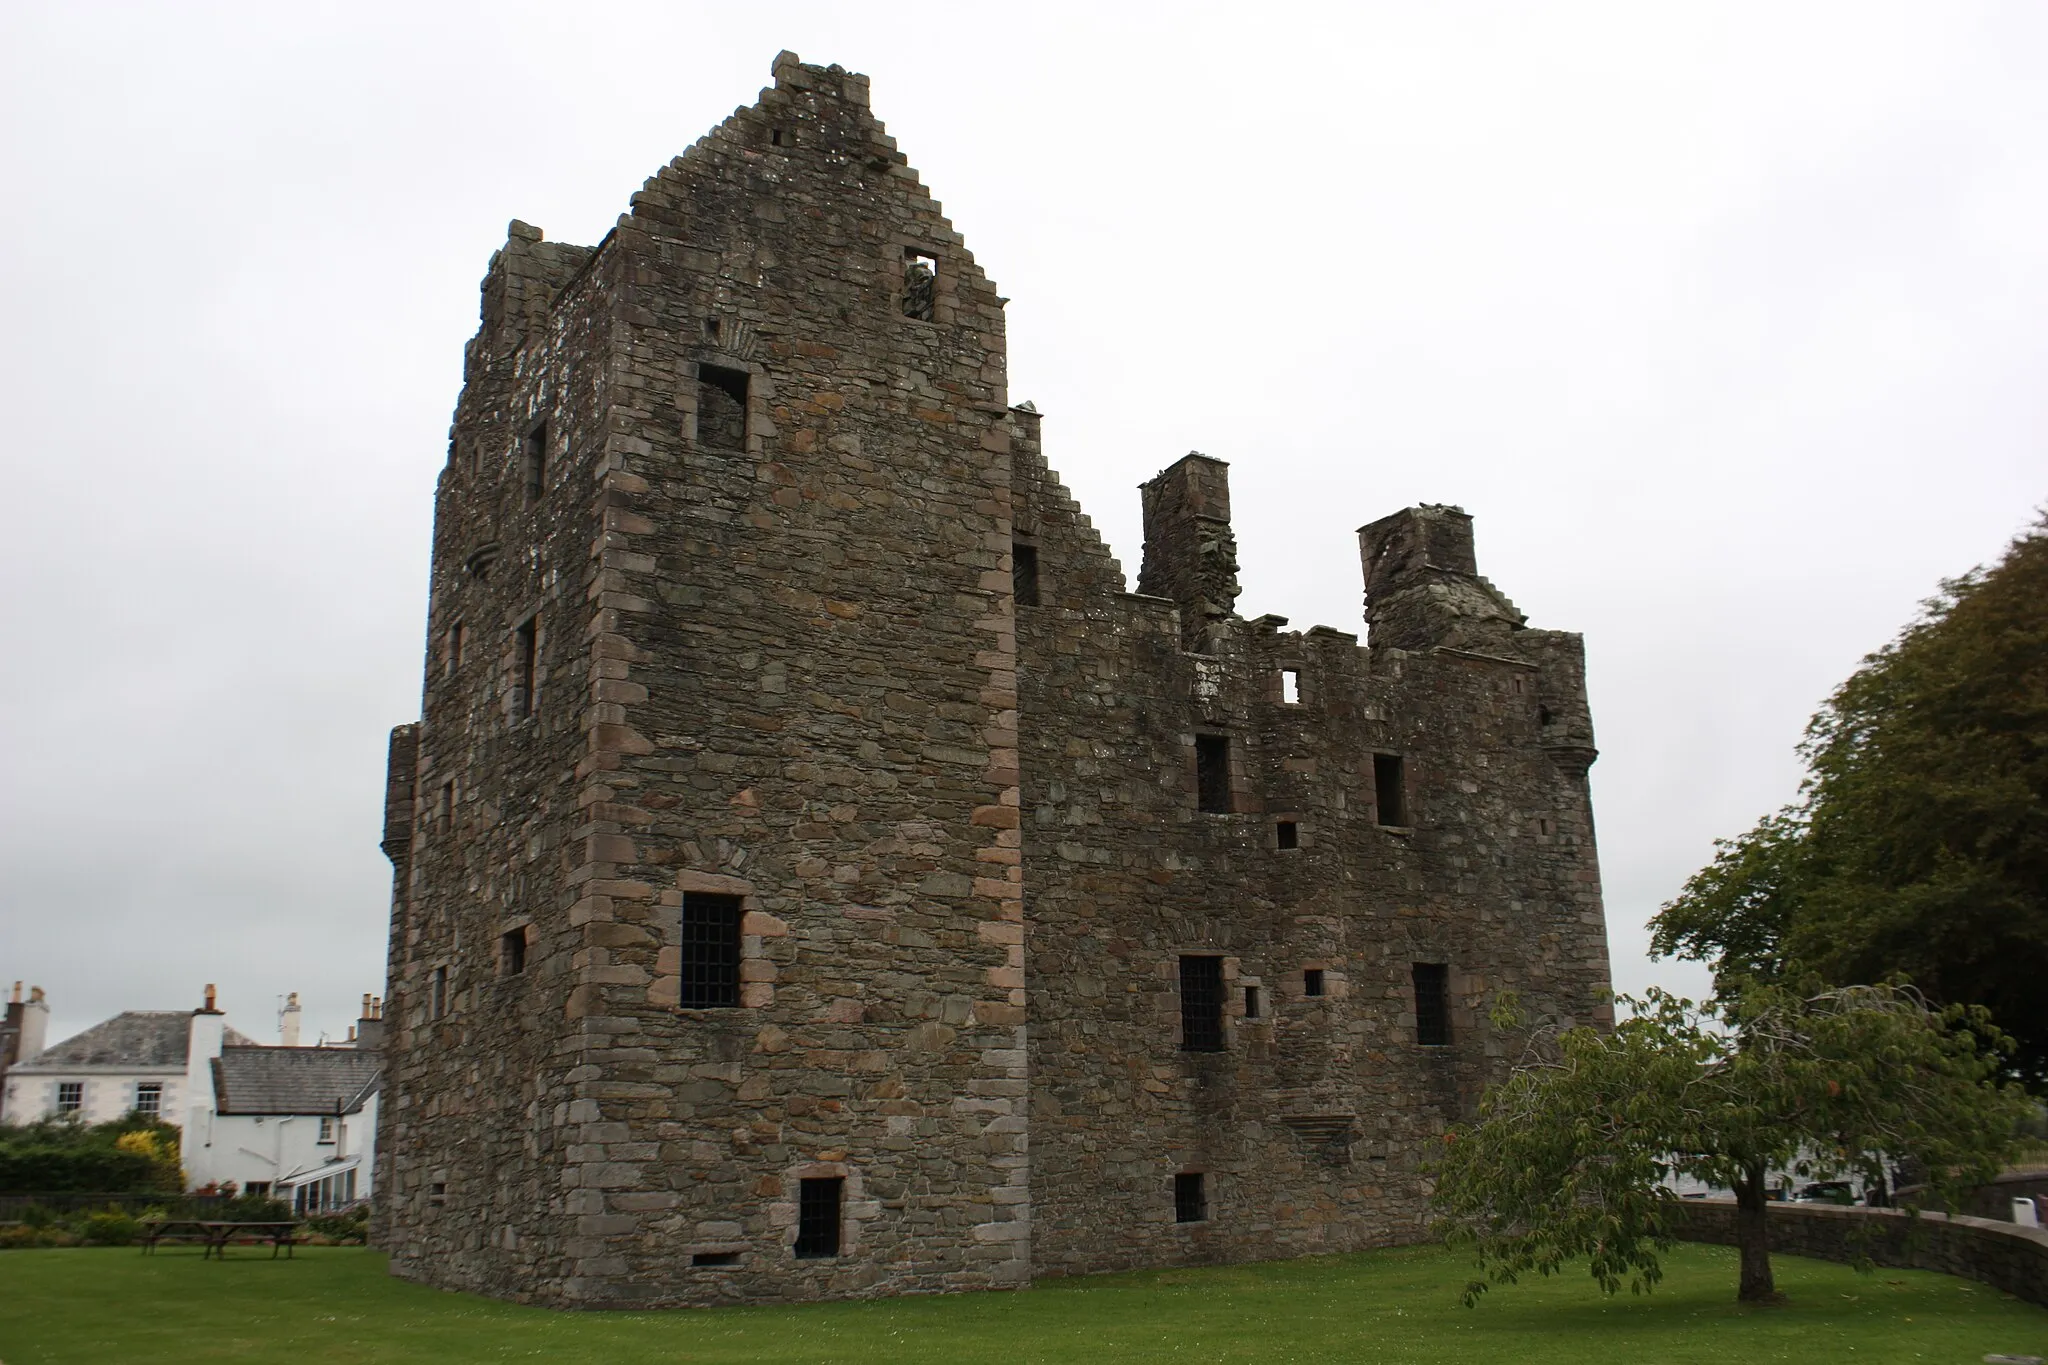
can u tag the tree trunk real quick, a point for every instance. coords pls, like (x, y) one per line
(1752, 1236)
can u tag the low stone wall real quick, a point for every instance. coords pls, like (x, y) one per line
(2004, 1256)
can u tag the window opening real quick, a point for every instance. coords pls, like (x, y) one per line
(149, 1098)
(920, 283)
(70, 1096)
(710, 942)
(1389, 783)
(255, 1187)
(1024, 573)
(715, 1258)
(458, 637)
(525, 664)
(721, 408)
(1212, 773)
(439, 999)
(1287, 834)
(781, 137)
(1251, 1002)
(1201, 1004)
(514, 954)
(711, 329)
(438, 1192)
(535, 463)
(1543, 715)
(1290, 686)
(444, 811)
(817, 1217)
(1312, 981)
(1190, 1200)
(326, 1133)
(1543, 827)
(1432, 1004)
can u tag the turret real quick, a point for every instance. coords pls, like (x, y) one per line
(1190, 551)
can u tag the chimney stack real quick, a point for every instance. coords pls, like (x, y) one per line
(288, 1021)
(369, 1029)
(210, 1007)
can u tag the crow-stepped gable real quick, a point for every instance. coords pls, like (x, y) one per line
(818, 875)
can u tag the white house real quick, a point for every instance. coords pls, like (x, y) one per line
(297, 1122)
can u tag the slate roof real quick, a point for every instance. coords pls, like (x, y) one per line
(294, 1080)
(143, 1039)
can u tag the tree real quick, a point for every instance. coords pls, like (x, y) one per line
(1921, 843)
(1568, 1154)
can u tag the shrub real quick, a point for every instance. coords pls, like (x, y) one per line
(352, 1226)
(109, 1228)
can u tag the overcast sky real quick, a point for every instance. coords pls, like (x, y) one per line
(1727, 322)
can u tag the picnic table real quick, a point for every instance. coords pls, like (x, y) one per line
(215, 1234)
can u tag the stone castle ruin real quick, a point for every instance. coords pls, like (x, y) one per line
(818, 875)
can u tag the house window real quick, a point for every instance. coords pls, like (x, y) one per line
(149, 1098)
(256, 1188)
(439, 999)
(534, 464)
(1201, 1004)
(1190, 1198)
(512, 950)
(326, 1133)
(525, 666)
(1290, 686)
(817, 1217)
(721, 408)
(710, 942)
(70, 1096)
(1212, 773)
(1312, 981)
(1024, 573)
(1287, 834)
(920, 283)
(1432, 1004)
(1390, 789)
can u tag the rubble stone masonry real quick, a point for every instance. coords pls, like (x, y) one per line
(748, 583)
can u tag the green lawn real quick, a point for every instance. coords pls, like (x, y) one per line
(78, 1307)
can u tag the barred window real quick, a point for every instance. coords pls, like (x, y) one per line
(817, 1217)
(1201, 1004)
(710, 951)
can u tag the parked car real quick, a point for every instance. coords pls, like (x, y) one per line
(1826, 1192)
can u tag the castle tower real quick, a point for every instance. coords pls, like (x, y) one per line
(709, 932)
(772, 674)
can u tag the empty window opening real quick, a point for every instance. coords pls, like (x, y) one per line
(1251, 1002)
(458, 640)
(715, 1258)
(70, 1096)
(817, 1217)
(149, 1098)
(535, 463)
(1024, 573)
(513, 950)
(1432, 1004)
(1290, 686)
(444, 809)
(1543, 827)
(1287, 834)
(1201, 1004)
(1312, 981)
(920, 283)
(711, 329)
(476, 457)
(525, 665)
(781, 137)
(710, 942)
(1543, 715)
(438, 1001)
(721, 408)
(438, 1192)
(1212, 773)
(1390, 788)
(1190, 1198)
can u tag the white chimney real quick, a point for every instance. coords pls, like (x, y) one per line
(35, 1025)
(288, 1020)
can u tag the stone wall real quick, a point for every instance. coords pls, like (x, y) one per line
(2008, 1258)
(724, 603)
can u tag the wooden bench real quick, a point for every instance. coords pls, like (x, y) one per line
(215, 1235)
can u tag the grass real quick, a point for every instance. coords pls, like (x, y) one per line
(332, 1306)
